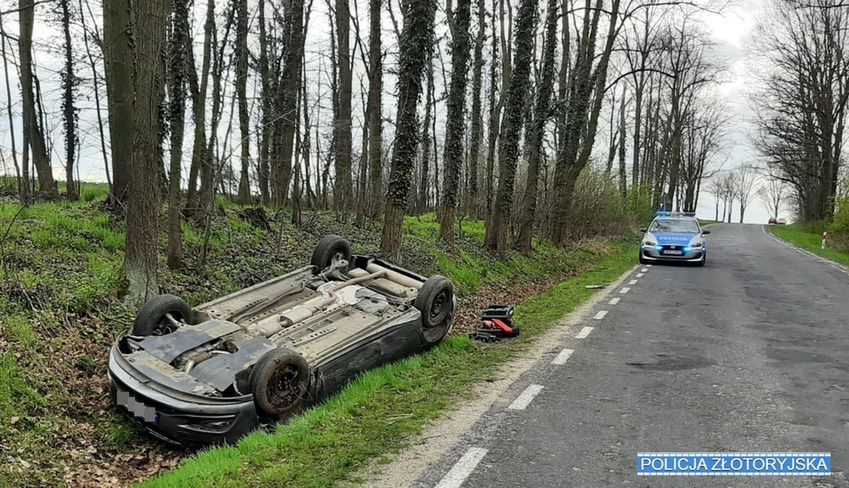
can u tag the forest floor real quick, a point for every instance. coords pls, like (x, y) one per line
(59, 314)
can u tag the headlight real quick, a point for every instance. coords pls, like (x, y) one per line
(697, 245)
(649, 243)
(649, 240)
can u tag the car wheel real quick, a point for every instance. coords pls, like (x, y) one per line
(702, 262)
(152, 320)
(279, 382)
(642, 259)
(330, 248)
(435, 301)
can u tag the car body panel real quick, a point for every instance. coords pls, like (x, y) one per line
(196, 378)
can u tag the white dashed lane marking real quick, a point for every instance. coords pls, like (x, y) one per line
(633, 282)
(584, 333)
(614, 301)
(624, 290)
(640, 275)
(644, 270)
(463, 468)
(564, 355)
(522, 401)
(600, 315)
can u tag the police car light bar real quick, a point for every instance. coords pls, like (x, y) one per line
(665, 213)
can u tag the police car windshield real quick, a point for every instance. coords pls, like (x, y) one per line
(675, 225)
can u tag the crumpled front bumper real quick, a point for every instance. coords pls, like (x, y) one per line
(655, 253)
(177, 418)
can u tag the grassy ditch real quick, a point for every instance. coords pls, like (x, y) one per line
(384, 408)
(808, 241)
(59, 314)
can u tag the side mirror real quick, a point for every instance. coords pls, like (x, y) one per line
(643, 230)
(705, 232)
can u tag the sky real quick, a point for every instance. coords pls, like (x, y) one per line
(730, 30)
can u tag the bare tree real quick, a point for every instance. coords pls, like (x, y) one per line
(772, 193)
(542, 113)
(177, 66)
(343, 191)
(33, 131)
(455, 123)
(241, 54)
(497, 236)
(743, 181)
(802, 103)
(117, 56)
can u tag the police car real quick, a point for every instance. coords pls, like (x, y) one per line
(674, 236)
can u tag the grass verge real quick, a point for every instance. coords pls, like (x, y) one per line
(809, 242)
(380, 412)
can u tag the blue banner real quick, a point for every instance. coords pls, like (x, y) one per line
(733, 464)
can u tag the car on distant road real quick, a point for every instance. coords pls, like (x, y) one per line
(212, 373)
(674, 237)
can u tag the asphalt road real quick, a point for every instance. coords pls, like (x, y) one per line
(748, 354)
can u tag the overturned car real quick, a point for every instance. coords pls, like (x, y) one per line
(211, 374)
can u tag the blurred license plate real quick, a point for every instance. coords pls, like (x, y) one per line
(670, 252)
(135, 407)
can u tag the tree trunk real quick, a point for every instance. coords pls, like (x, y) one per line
(536, 130)
(343, 192)
(117, 56)
(33, 134)
(494, 123)
(473, 207)
(140, 262)
(623, 181)
(511, 126)
(375, 121)
(242, 54)
(424, 183)
(177, 114)
(23, 177)
(69, 111)
(455, 123)
(416, 39)
(201, 162)
(96, 90)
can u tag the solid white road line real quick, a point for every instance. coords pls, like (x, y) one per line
(600, 315)
(633, 282)
(564, 355)
(640, 275)
(584, 333)
(463, 468)
(614, 301)
(624, 290)
(522, 401)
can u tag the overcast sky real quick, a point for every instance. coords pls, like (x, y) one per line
(730, 30)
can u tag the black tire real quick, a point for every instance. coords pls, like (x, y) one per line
(279, 382)
(151, 318)
(642, 259)
(329, 248)
(702, 262)
(435, 301)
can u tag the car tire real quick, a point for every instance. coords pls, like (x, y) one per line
(151, 320)
(329, 248)
(702, 262)
(279, 382)
(435, 301)
(642, 259)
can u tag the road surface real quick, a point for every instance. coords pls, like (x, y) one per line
(748, 354)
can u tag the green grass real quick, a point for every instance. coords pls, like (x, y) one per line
(809, 242)
(385, 408)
